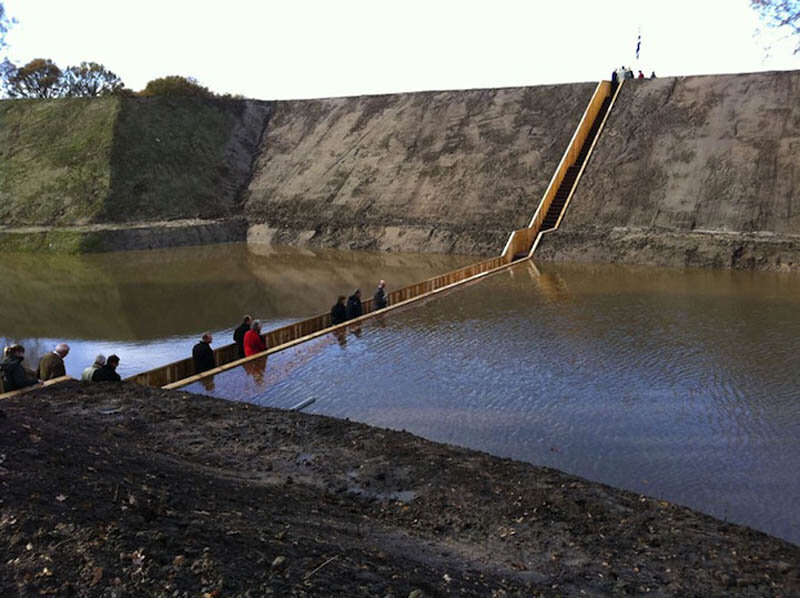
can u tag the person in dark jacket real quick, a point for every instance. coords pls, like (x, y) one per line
(353, 309)
(107, 373)
(203, 355)
(238, 334)
(15, 376)
(379, 299)
(338, 311)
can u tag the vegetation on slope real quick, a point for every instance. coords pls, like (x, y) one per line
(170, 159)
(54, 160)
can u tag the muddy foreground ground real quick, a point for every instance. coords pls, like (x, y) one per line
(118, 490)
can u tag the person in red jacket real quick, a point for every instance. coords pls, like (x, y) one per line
(253, 343)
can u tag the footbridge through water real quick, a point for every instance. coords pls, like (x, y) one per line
(521, 245)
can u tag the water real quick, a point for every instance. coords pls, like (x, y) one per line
(150, 307)
(676, 384)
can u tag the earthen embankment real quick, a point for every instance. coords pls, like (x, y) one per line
(695, 171)
(116, 489)
(80, 175)
(450, 172)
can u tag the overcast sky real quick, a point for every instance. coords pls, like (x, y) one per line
(308, 48)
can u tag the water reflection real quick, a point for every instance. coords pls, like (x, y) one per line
(678, 384)
(150, 307)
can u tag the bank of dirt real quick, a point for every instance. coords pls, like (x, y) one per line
(697, 171)
(445, 172)
(692, 171)
(118, 490)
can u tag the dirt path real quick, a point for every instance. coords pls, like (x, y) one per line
(122, 490)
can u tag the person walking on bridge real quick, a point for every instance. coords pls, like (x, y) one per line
(379, 299)
(14, 375)
(354, 309)
(99, 362)
(338, 311)
(108, 373)
(238, 334)
(52, 365)
(253, 343)
(203, 355)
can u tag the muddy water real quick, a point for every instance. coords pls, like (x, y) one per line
(150, 307)
(683, 385)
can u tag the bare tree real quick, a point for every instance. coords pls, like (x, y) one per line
(780, 14)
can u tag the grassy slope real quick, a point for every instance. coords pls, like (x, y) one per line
(54, 160)
(169, 159)
(77, 161)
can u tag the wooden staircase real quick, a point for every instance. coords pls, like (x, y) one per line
(568, 183)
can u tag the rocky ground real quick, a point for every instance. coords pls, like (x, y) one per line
(119, 490)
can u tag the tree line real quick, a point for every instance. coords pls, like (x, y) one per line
(42, 78)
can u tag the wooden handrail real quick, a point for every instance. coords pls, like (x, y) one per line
(571, 153)
(436, 285)
(540, 234)
(21, 391)
(287, 335)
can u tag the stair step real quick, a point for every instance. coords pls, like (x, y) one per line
(571, 175)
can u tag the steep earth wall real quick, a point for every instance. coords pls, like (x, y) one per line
(124, 173)
(696, 171)
(449, 171)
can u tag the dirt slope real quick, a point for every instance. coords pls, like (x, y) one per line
(698, 171)
(440, 171)
(119, 490)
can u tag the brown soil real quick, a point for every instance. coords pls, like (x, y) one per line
(692, 171)
(119, 490)
(438, 172)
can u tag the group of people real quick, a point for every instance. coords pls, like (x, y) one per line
(341, 311)
(625, 72)
(51, 365)
(249, 340)
(247, 337)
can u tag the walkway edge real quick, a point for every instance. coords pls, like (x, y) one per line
(332, 329)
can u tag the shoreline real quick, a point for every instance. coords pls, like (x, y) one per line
(709, 249)
(102, 238)
(124, 489)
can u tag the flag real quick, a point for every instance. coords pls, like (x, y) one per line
(638, 45)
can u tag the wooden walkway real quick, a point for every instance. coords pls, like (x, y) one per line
(520, 246)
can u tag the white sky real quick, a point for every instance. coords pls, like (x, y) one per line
(320, 48)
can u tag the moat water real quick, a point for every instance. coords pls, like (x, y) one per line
(679, 384)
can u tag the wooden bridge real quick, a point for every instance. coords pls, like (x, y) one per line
(520, 246)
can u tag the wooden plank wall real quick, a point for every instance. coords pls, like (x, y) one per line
(184, 368)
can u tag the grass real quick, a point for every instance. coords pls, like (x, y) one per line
(54, 160)
(77, 161)
(169, 159)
